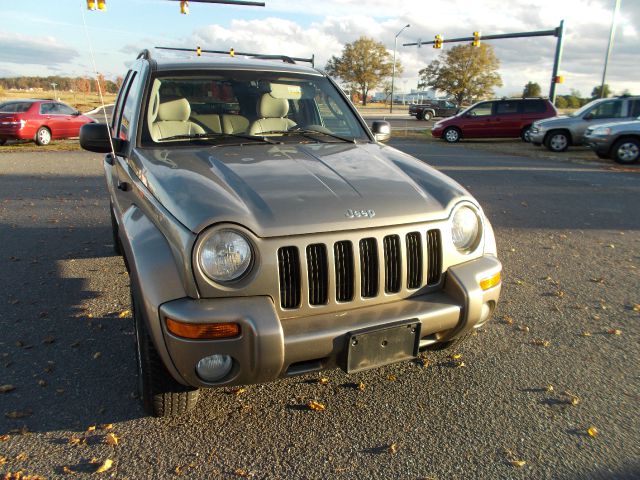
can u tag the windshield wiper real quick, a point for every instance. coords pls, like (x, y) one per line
(308, 132)
(208, 136)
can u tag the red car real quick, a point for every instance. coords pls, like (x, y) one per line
(39, 120)
(509, 118)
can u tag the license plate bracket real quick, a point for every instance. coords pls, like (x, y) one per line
(377, 346)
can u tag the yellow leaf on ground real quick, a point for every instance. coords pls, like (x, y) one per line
(241, 472)
(541, 343)
(586, 333)
(361, 386)
(91, 428)
(455, 356)
(75, 441)
(636, 307)
(106, 465)
(106, 426)
(111, 439)
(508, 320)
(124, 313)
(393, 448)
(316, 406)
(460, 365)
(518, 463)
(6, 388)
(4, 438)
(21, 457)
(549, 388)
(592, 431)
(323, 381)
(392, 378)
(614, 331)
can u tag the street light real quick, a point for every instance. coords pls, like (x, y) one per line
(393, 74)
(55, 96)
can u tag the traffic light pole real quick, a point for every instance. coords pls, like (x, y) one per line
(556, 32)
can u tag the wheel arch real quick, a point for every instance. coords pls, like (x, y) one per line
(562, 130)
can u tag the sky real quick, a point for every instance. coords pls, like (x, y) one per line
(53, 40)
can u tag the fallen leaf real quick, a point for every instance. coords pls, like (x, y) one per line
(425, 362)
(238, 390)
(111, 439)
(91, 428)
(460, 365)
(392, 378)
(523, 328)
(124, 313)
(18, 414)
(21, 457)
(549, 388)
(614, 331)
(508, 320)
(541, 343)
(75, 441)
(559, 294)
(67, 470)
(4, 438)
(323, 381)
(316, 406)
(518, 463)
(42, 383)
(108, 463)
(586, 333)
(393, 448)
(7, 388)
(361, 386)
(455, 356)
(241, 472)
(106, 426)
(593, 432)
(574, 400)
(636, 307)
(96, 355)
(3, 460)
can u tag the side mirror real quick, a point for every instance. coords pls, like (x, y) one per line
(588, 116)
(76, 113)
(381, 131)
(95, 138)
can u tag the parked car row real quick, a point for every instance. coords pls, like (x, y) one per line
(39, 120)
(609, 126)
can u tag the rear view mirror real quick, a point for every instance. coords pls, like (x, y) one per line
(95, 137)
(381, 131)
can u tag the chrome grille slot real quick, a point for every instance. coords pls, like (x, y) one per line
(414, 260)
(368, 267)
(343, 254)
(289, 272)
(318, 273)
(434, 249)
(392, 263)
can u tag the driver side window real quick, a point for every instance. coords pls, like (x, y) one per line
(481, 110)
(611, 109)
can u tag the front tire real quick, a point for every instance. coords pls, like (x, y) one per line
(3, 141)
(626, 151)
(426, 116)
(419, 116)
(161, 395)
(43, 136)
(557, 141)
(451, 135)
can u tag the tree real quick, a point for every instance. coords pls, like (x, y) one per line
(465, 72)
(364, 64)
(595, 93)
(561, 102)
(531, 89)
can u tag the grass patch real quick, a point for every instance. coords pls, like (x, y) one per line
(54, 146)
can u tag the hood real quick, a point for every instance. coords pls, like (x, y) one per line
(277, 190)
(555, 121)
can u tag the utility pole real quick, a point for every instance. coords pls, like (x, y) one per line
(612, 34)
(393, 74)
(55, 95)
(556, 62)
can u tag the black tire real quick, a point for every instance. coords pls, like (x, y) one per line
(557, 141)
(420, 116)
(161, 395)
(426, 116)
(2, 141)
(525, 134)
(117, 247)
(451, 135)
(43, 136)
(626, 151)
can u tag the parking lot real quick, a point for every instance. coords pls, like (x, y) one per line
(549, 389)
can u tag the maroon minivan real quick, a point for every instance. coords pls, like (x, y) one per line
(508, 118)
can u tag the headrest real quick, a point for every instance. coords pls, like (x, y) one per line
(174, 110)
(270, 107)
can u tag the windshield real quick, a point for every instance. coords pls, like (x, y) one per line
(584, 109)
(232, 107)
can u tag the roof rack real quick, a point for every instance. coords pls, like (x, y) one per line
(233, 53)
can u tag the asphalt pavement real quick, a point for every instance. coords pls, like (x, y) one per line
(549, 389)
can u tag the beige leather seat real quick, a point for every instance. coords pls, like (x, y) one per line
(210, 120)
(173, 119)
(234, 123)
(272, 112)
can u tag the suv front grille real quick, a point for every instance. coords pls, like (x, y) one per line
(407, 261)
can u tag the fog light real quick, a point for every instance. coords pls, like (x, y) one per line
(485, 313)
(214, 367)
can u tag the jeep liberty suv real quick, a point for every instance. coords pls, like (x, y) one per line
(267, 232)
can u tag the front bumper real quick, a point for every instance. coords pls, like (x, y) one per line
(269, 348)
(602, 145)
(537, 136)
(437, 132)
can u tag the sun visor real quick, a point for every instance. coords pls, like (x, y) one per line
(290, 92)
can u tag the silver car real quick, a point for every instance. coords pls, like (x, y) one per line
(558, 133)
(267, 232)
(619, 141)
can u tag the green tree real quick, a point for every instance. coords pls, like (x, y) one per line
(364, 64)
(573, 101)
(595, 93)
(561, 102)
(531, 89)
(465, 72)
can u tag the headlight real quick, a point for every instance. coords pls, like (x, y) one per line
(602, 131)
(225, 255)
(465, 229)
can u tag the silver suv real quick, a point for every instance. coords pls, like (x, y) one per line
(558, 133)
(268, 233)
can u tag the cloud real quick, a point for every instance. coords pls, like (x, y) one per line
(20, 49)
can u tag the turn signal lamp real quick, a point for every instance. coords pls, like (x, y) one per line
(203, 331)
(490, 282)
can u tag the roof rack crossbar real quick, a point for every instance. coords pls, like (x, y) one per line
(262, 56)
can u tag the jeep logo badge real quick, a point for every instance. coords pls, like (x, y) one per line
(360, 213)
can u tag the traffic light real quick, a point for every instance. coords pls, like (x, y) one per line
(438, 41)
(476, 39)
(198, 51)
(102, 5)
(232, 53)
(558, 79)
(184, 7)
(91, 4)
